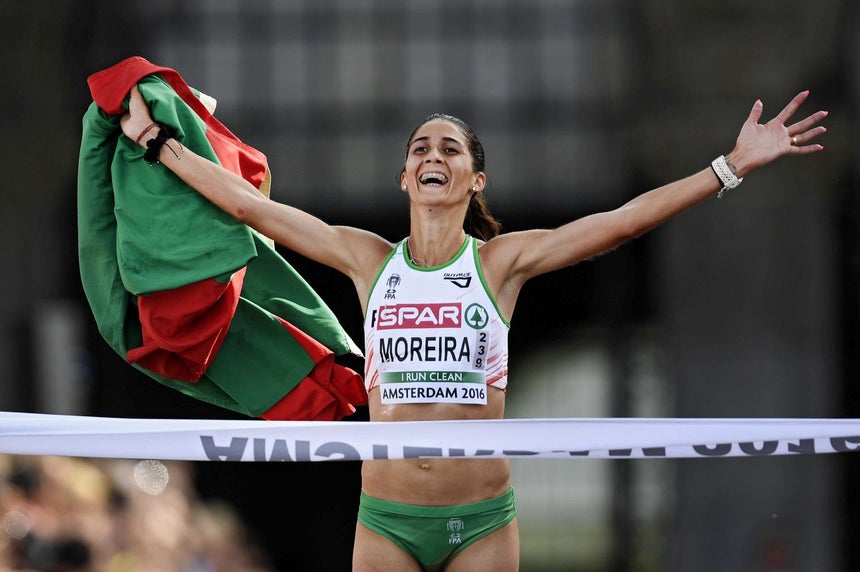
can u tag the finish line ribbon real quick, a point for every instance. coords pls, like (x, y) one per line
(300, 441)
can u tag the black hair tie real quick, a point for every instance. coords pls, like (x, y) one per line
(154, 145)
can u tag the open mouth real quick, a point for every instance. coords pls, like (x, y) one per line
(433, 179)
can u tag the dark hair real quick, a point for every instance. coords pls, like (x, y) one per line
(479, 221)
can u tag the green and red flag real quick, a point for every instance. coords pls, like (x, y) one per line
(181, 290)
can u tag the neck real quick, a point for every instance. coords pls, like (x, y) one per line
(435, 232)
(428, 252)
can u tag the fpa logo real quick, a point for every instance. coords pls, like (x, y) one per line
(455, 528)
(393, 282)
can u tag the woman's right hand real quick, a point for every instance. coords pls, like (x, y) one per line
(137, 119)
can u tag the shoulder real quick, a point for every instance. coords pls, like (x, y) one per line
(364, 243)
(367, 253)
(506, 252)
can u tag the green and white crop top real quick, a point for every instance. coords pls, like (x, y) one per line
(434, 335)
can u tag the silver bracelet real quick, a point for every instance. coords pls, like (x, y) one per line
(725, 175)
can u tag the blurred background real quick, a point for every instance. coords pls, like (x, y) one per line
(747, 306)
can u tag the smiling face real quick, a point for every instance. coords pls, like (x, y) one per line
(439, 163)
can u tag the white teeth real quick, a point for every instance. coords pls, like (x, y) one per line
(438, 178)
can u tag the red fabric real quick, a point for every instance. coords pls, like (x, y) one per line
(326, 394)
(183, 328)
(109, 88)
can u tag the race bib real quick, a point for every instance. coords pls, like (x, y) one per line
(433, 387)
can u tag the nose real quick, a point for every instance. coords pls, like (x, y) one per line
(433, 157)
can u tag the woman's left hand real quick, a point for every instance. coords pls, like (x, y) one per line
(759, 144)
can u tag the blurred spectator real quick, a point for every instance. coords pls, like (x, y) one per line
(61, 514)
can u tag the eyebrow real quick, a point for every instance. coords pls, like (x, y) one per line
(427, 138)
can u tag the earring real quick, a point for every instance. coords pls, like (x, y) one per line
(474, 187)
(403, 187)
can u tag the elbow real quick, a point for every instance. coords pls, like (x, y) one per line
(636, 233)
(238, 211)
(630, 231)
(240, 215)
(631, 227)
(243, 211)
(245, 217)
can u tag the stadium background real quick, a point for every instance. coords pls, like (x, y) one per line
(744, 307)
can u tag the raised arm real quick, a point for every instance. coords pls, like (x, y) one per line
(346, 249)
(514, 258)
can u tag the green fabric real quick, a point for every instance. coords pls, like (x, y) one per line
(141, 230)
(434, 534)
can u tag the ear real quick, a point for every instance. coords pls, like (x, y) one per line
(403, 181)
(479, 182)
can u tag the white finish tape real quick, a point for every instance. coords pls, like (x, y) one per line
(298, 441)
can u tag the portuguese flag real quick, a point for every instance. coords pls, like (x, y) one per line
(181, 290)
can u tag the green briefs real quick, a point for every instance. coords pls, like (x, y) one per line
(433, 534)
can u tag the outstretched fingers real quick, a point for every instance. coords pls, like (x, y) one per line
(755, 112)
(807, 129)
(805, 124)
(792, 106)
(803, 131)
(797, 141)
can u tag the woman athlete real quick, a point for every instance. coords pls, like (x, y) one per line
(437, 307)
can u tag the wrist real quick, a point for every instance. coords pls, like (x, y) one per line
(161, 139)
(142, 138)
(726, 174)
(738, 164)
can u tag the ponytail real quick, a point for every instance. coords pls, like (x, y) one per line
(479, 222)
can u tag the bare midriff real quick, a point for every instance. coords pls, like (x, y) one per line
(436, 482)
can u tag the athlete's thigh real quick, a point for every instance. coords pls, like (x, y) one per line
(499, 551)
(373, 552)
